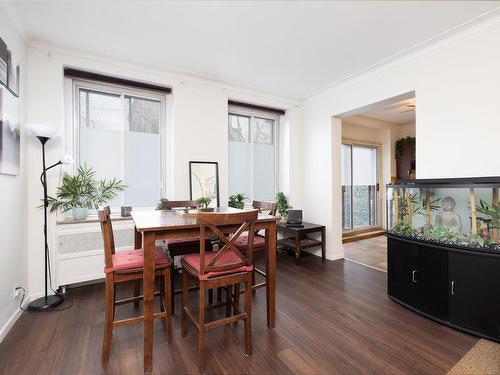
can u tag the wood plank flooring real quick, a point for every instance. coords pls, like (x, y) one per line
(332, 318)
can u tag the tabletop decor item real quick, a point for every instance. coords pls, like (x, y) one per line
(237, 200)
(204, 202)
(204, 181)
(126, 210)
(45, 133)
(283, 206)
(82, 191)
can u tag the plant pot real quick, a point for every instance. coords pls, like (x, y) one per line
(80, 213)
(206, 209)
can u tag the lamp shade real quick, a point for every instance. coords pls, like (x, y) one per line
(41, 130)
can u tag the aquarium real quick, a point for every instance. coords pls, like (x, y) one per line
(463, 212)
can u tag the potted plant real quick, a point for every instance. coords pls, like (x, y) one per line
(283, 206)
(237, 200)
(203, 203)
(82, 191)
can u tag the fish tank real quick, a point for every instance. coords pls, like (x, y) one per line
(455, 212)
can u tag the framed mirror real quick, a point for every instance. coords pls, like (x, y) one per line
(204, 181)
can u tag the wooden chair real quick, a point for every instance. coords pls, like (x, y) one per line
(223, 268)
(182, 246)
(259, 241)
(128, 266)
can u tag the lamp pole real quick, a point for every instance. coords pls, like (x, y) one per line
(47, 302)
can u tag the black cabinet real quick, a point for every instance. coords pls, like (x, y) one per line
(402, 266)
(475, 293)
(432, 280)
(418, 276)
(456, 287)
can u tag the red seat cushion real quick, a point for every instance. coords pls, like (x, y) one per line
(242, 242)
(132, 259)
(193, 261)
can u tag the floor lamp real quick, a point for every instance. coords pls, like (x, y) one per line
(45, 133)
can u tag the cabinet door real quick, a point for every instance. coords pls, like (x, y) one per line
(475, 292)
(402, 265)
(432, 280)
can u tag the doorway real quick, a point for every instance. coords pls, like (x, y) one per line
(360, 186)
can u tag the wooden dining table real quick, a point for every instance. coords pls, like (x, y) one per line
(151, 226)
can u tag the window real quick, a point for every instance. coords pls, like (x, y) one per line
(252, 153)
(119, 132)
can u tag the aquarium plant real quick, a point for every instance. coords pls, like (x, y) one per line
(442, 233)
(402, 228)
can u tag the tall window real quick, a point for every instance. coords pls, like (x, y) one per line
(120, 134)
(252, 154)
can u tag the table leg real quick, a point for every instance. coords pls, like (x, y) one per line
(148, 287)
(137, 239)
(323, 244)
(271, 275)
(297, 249)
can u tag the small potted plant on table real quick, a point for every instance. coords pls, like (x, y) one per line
(282, 205)
(203, 204)
(82, 191)
(237, 200)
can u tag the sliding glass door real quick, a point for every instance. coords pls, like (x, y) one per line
(359, 186)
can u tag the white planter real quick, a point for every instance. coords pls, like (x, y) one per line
(80, 213)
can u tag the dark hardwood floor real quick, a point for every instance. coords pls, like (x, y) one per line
(332, 318)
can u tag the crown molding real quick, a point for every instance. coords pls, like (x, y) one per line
(449, 36)
(176, 76)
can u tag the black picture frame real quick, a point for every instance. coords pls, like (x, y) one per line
(197, 181)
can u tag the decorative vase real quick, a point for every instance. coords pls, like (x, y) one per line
(80, 213)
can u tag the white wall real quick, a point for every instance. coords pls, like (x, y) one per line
(197, 113)
(13, 223)
(457, 118)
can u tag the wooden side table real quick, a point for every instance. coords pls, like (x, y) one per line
(296, 238)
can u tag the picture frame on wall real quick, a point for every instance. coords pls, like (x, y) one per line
(3, 62)
(10, 134)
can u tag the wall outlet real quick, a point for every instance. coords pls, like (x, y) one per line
(17, 290)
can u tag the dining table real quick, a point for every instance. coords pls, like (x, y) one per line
(151, 226)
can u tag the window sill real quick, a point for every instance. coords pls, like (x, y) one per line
(91, 219)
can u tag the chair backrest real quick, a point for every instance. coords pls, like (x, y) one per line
(214, 222)
(266, 206)
(170, 205)
(107, 235)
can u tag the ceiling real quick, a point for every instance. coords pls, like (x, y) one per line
(401, 112)
(292, 49)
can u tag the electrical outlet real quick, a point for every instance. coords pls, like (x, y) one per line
(16, 291)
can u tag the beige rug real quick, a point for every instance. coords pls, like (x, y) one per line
(482, 359)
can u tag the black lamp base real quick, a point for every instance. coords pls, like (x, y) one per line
(45, 303)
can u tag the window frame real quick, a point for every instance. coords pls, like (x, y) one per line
(122, 91)
(252, 113)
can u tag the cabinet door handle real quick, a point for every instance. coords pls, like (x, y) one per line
(453, 288)
(413, 278)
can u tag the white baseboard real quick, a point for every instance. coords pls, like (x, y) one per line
(13, 319)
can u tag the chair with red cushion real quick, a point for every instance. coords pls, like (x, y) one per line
(224, 268)
(259, 241)
(128, 266)
(181, 246)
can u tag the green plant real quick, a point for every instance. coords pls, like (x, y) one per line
(403, 229)
(404, 208)
(491, 210)
(159, 205)
(237, 200)
(82, 190)
(442, 233)
(421, 209)
(204, 201)
(399, 145)
(282, 203)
